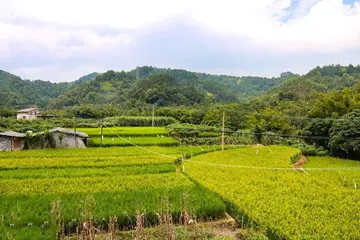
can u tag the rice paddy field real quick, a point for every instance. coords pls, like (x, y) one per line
(257, 185)
(129, 141)
(119, 182)
(127, 136)
(261, 188)
(125, 131)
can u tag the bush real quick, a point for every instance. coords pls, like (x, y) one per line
(313, 150)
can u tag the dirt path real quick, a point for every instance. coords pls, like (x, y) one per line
(301, 162)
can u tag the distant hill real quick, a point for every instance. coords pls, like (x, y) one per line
(328, 91)
(318, 80)
(87, 77)
(153, 86)
(164, 87)
(19, 93)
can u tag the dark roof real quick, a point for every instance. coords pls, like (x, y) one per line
(67, 131)
(12, 134)
(27, 110)
(45, 115)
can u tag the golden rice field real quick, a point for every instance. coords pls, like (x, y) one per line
(257, 185)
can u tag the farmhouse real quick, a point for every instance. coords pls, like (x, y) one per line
(10, 141)
(28, 113)
(64, 138)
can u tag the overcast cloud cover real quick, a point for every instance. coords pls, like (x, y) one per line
(61, 40)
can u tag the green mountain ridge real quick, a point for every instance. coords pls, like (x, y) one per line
(19, 93)
(150, 86)
(162, 87)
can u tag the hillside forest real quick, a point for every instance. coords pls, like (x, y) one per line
(319, 110)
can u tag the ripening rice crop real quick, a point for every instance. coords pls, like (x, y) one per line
(73, 172)
(130, 141)
(25, 201)
(125, 131)
(109, 152)
(23, 163)
(319, 204)
(120, 181)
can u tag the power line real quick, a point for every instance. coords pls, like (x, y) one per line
(271, 135)
(236, 166)
(275, 168)
(161, 154)
(290, 117)
(294, 136)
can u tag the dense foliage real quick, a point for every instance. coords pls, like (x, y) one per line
(345, 135)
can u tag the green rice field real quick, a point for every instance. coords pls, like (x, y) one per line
(125, 131)
(262, 189)
(257, 185)
(119, 182)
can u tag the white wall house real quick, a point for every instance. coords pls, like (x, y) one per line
(28, 113)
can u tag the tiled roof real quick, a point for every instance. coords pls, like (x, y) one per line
(67, 131)
(12, 134)
(27, 110)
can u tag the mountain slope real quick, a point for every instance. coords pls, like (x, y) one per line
(174, 87)
(330, 91)
(19, 93)
(225, 88)
(163, 87)
(318, 80)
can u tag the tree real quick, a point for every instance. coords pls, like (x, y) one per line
(318, 128)
(7, 112)
(345, 136)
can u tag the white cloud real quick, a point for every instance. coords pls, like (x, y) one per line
(55, 73)
(58, 42)
(126, 14)
(329, 25)
(63, 30)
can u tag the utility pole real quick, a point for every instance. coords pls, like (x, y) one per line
(101, 132)
(76, 145)
(153, 120)
(223, 132)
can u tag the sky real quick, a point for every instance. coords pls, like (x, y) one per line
(62, 40)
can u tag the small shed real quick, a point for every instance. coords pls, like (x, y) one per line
(65, 138)
(11, 141)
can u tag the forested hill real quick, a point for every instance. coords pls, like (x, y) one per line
(165, 87)
(317, 81)
(150, 86)
(19, 93)
(221, 85)
(330, 91)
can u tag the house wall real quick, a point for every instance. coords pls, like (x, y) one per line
(26, 116)
(67, 141)
(5, 143)
(16, 145)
